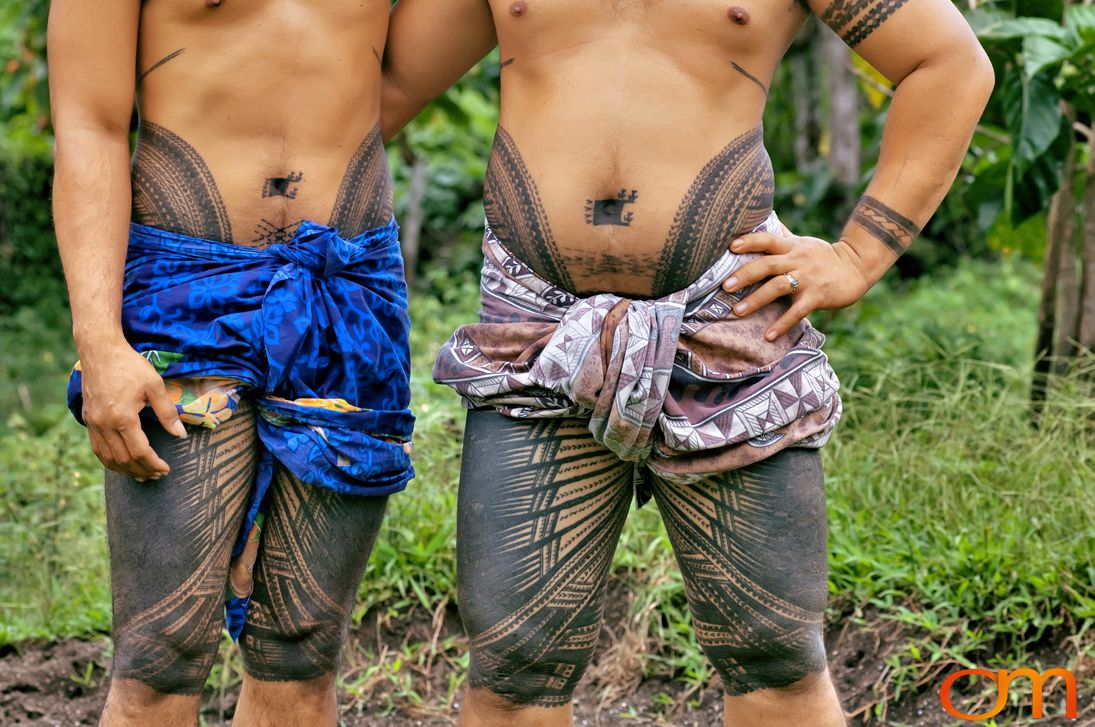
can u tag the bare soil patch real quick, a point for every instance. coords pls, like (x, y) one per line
(64, 683)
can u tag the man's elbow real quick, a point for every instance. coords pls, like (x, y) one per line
(980, 76)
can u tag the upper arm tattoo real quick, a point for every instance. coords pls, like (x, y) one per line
(884, 224)
(855, 20)
(517, 216)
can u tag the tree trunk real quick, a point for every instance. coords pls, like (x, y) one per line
(1086, 327)
(805, 106)
(411, 230)
(1068, 293)
(1062, 211)
(843, 109)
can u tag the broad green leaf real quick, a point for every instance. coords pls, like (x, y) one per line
(1033, 110)
(1021, 28)
(1040, 52)
(1080, 22)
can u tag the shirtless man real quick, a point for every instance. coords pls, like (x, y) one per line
(243, 351)
(628, 157)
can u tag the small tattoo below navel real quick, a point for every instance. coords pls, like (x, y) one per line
(281, 186)
(612, 211)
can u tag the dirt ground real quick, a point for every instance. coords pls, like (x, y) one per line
(63, 684)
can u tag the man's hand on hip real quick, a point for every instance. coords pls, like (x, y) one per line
(818, 275)
(117, 384)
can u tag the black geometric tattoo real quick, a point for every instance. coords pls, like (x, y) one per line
(732, 194)
(751, 545)
(159, 63)
(302, 597)
(541, 507)
(611, 211)
(507, 62)
(516, 215)
(280, 186)
(170, 543)
(885, 224)
(268, 233)
(855, 20)
(173, 188)
(364, 198)
(540, 510)
(750, 76)
(377, 55)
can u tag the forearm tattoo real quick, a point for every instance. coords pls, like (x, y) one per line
(751, 545)
(364, 198)
(315, 546)
(513, 209)
(173, 188)
(170, 543)
(855, 20)
(733, 194)
(894, 230)
(541, 507)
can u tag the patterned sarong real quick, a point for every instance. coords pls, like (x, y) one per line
(314, 330)
(679, 384)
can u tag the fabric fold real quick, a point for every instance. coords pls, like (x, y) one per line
(678, 383)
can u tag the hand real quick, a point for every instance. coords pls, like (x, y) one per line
(828, 276)
(117, 383)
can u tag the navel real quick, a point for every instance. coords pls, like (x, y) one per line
(518, 8)
(213, 3)
(738, 15)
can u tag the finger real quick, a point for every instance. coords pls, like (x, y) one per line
(165, 410)
(99, 448)
(119, 453)
(790, 319)
(131, 465)
(754, 272)
(775, 288)
(142, 453)
(764, 242)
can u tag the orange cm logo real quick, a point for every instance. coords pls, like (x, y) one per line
(1003, 679)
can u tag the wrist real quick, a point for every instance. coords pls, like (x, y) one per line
(92, 342)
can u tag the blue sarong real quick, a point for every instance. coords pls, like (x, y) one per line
(315, 331)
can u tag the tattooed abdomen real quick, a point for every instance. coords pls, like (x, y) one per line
(637, 237)
(173, 188)
(731, 195)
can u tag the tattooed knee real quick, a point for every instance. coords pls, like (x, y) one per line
(170, 662)
(306, 651)
(788, 662)
(528, 681)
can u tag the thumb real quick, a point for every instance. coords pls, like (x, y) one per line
(165, 410)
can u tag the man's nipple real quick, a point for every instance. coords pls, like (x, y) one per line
(738, 14)
(518, 8)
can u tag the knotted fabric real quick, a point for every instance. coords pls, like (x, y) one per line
(678, 383)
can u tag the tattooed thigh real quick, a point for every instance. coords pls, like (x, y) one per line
(315, 545)
(751, 545)
(170, 543)
(540, 510)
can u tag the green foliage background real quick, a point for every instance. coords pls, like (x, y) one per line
(949, 515)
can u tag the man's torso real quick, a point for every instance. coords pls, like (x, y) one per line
(259, 114)
(630, 149)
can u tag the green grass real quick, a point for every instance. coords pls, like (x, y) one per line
(949, 514)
